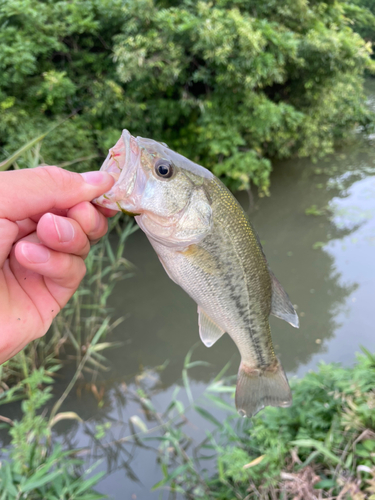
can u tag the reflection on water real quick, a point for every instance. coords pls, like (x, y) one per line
(307, 252)
(324, 261)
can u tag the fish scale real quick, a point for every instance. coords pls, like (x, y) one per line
(208, 247)
(238, 295)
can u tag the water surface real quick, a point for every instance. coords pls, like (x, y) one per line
(318, 232)
(324, 259)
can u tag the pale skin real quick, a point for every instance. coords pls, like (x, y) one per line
(47, 225)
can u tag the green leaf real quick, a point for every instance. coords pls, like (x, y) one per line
(325, 484)
(89, 483)
(312, 443)
(32, 483)
(179, 470)
(207, 415)
(221, 403)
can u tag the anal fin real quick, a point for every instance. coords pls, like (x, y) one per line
(281, 307)
(209, 331)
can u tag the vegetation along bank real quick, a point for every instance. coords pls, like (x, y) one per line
(229, 84)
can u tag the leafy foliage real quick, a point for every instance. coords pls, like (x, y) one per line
(322, 446)
(231, 84)
(33, 466)
(362, 15)
(331, 427)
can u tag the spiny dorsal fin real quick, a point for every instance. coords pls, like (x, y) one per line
(209, 331)
(281, 307)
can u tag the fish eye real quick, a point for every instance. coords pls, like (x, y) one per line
(164, 168)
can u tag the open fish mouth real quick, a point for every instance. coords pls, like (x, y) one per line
(123, 162)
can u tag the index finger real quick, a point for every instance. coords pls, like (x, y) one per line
(25, 193)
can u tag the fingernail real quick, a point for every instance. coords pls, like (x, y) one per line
(95, 178)
(36, 254)
(64, 228)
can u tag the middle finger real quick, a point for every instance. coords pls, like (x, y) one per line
(63, 234)
(93, 223)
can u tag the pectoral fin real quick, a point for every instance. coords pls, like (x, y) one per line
(209, 331)
(202, 259)
(281, 307)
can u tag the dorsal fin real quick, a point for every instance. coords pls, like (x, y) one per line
(281, 307)
(209, 331)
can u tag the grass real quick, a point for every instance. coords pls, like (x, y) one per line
(35, 465)
(321, 447)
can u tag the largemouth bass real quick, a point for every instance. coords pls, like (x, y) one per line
(208, 247)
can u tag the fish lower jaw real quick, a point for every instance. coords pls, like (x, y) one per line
(110, 202)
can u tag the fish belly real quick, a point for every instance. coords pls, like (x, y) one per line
(216, 279)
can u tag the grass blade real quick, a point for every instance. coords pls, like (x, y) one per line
(4, 165)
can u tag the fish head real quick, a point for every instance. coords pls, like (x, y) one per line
(166, 192)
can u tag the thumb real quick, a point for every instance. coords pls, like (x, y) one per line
(25, 193)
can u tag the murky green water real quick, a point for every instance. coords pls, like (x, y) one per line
(325, 262)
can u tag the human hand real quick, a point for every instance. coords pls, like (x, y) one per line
(46, 225)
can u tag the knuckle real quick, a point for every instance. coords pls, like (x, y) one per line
(8, 229)
(72, 270)
(40, 333)
(85, 250)
(78, 269)
(103, 228)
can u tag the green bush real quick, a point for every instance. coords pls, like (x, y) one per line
(231, 84)
(323, 446)
(362, 15)
(330, 428)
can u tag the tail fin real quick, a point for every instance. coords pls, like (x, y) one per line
(259, 388)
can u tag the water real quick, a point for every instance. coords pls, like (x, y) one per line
(324, 261)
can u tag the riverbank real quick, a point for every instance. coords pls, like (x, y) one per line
(321, 447)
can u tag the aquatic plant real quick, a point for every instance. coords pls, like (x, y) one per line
(34, 465)
(324, 445)
(327, 436)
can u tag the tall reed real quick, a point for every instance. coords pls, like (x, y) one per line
(86, 316)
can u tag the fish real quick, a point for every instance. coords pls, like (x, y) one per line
(208, 247)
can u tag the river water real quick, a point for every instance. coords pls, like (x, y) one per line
(318, 232)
